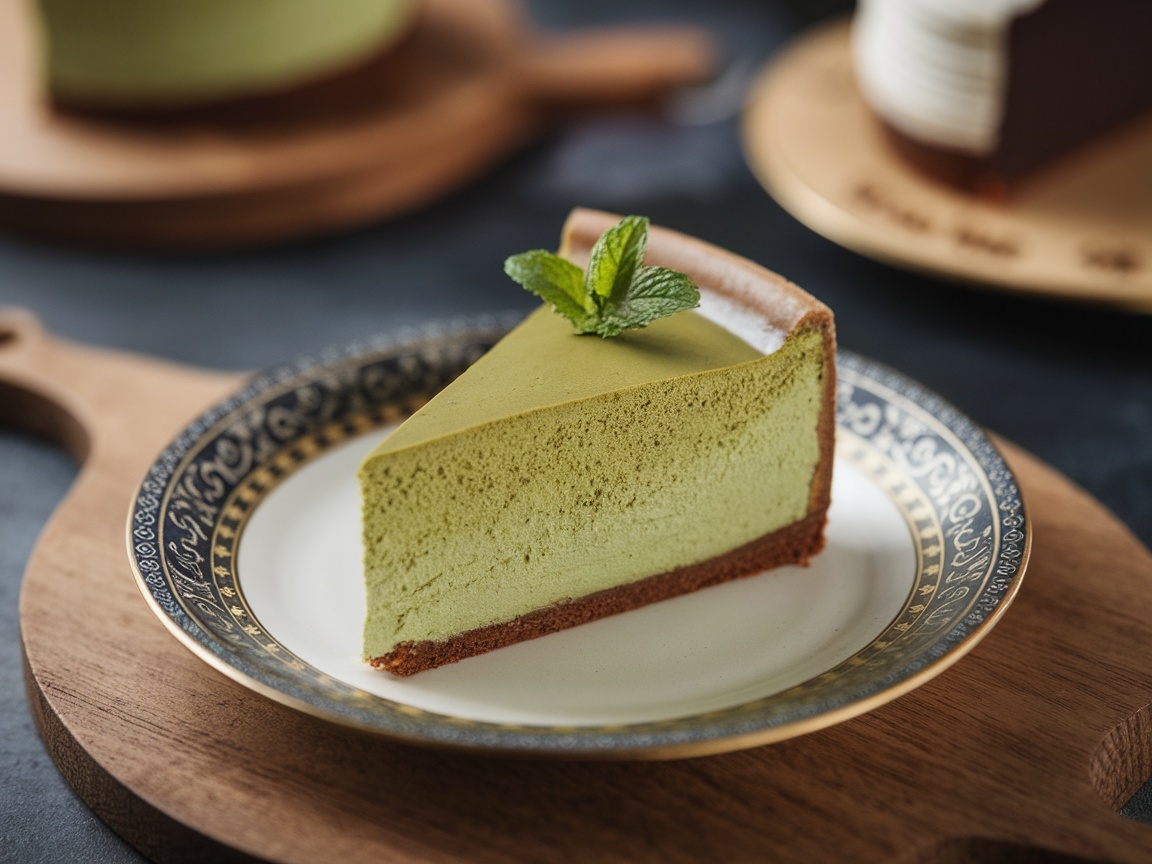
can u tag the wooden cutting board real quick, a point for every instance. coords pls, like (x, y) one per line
(472, 82)
(1026, 747)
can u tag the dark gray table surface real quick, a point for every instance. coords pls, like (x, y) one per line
(1072, 383)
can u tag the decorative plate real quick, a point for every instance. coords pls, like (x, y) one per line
(245, 540)
(1081, 231)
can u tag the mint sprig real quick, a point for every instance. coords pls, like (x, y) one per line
(617, 292)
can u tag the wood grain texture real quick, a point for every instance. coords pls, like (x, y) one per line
(1020, 752)
(472, 82)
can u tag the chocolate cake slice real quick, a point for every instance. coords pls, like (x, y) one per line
(984, 95)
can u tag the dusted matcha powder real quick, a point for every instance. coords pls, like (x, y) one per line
(560, 465)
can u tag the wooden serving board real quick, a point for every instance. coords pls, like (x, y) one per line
(1026, 747)
(470, 83)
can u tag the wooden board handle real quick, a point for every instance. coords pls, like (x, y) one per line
(614, 66)
(79, 397)
(30, 401)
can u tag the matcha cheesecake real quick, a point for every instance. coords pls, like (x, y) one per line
(160, 54)
(566, 477)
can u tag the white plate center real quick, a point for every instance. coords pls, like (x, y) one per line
(299, 567)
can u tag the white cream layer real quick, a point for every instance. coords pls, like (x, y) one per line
(937, 69)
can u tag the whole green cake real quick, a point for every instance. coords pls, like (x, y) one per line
(164, 53)
(566, 477)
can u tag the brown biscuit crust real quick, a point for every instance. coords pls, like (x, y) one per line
(793, 544)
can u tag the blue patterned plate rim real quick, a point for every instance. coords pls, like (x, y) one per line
(961, 502)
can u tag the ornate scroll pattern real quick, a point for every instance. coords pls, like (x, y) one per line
(966, 518)
(961, 504)
(196, 498)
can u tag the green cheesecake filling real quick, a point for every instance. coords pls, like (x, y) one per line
(560, 465)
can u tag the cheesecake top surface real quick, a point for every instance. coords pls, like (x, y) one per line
(745, 313)
(543, 363)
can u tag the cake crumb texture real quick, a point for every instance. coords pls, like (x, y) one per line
(553, 488)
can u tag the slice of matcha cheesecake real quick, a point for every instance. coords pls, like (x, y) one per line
(566, 477)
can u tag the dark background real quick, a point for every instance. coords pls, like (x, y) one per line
(1072, 383)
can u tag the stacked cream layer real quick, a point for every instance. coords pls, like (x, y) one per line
(937, 69)
(559, 466)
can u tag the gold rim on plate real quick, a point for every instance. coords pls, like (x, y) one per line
(958, 498)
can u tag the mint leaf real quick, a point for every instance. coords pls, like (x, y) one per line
(654, 292)
(617, 293)
(615, 258)
(554, 280)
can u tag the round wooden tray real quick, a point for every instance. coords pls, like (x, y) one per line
(1080, 231)
(1021, 751)
(470, 83)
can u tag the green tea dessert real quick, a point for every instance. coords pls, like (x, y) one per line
(145, 54)
(567, 475)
